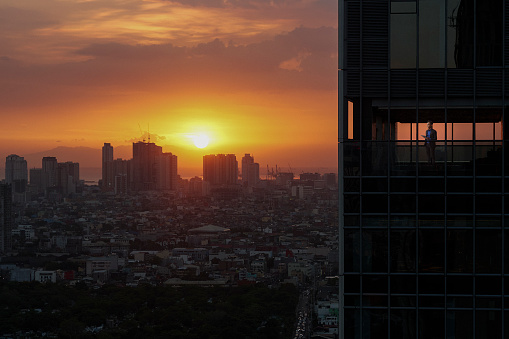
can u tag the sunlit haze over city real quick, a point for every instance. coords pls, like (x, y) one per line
(196, 77)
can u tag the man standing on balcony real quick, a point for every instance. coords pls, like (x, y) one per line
(431, 137)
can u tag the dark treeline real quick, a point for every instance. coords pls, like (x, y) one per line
(147, 311)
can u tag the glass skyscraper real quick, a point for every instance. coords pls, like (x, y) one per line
(423, 228)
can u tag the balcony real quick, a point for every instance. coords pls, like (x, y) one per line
(408, 158)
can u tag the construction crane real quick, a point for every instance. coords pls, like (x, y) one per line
(142, 135)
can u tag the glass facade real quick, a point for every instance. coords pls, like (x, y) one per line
(423, 226)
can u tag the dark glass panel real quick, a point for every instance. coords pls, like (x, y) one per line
(352, 283)
(460, 33)
(374, 251)
(403, 301)
(488, 324)
(488, 251)
(460, 185)
(398, 6)
(374, 283)
(374, 203)
(431, 323)
(431, 220)
(352, 220)
(488, 285)
(403, 251)
(431, 203)
(460, 203)
(352, 250)
(488, 203)
(431, 34)
(374, 158)
(352, 203)
(452, 15)
(488, 302)
(403, 40)
(374, 300)
(431, 250)
(492, 185)
(375, 323)
(431, 185)
(459, 302)
(460, 221)
(488, 158)
(402, 221)
(351, 158)
(459, 324)
(352, 185)
(506, 324)
(403, 324)
(460, 284)
(432, 301)
(402, 203)
(460, 158)
(403, 185)
(488, 220)
(403, 284)
(374, 221)
(431, 284)
(403, 160)
(489, 31)
(506, 252)
(459, 251)
(352, 323)
(374, 185)
(352, 300)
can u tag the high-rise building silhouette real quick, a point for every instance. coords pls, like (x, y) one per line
(36, 180)
(68, 177)
(422, 222)
(152, 169)
(49, 172)
(220, 169)
(107, 167)
(250, 171)
(122, 175)
(16, 173)
(5, 217)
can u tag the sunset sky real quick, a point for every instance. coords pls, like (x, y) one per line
(255, 76)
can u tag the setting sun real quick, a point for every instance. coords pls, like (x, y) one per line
(201, 140)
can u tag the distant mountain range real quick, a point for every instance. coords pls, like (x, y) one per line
(85, 156)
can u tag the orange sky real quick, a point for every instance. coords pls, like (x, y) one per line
(256, 76)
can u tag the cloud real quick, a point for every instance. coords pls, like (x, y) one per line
(294, 64)
(146, 137)
(116, 70)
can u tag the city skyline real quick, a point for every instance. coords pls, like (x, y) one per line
(91, 163)
(254, 77)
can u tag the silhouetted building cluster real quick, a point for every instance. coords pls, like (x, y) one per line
(53, 177)
(250, 171)
(149, 169)
(5, 217)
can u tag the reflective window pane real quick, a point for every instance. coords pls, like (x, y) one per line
(402, 251)
(459, 251)
(403, 41)
(459, 324)
(374, 251)
(460, 34)
(431, 33)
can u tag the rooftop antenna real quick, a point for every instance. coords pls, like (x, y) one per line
(148, 127)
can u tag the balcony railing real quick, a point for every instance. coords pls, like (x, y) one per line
(459, 157)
